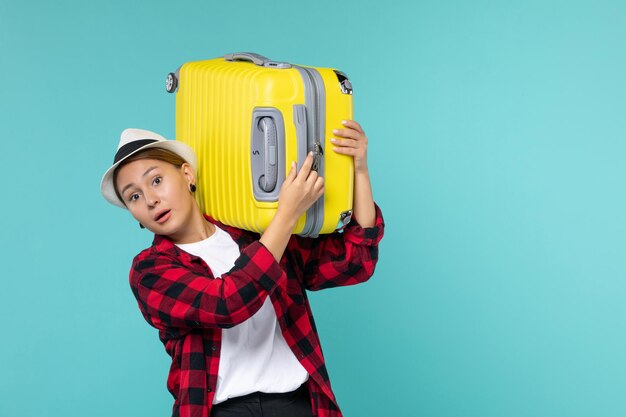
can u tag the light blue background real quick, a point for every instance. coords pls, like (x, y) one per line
(497, 144)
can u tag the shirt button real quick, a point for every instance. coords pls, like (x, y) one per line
(213, 348)
(208, 389)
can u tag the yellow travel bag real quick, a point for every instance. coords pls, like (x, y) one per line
(247, 118)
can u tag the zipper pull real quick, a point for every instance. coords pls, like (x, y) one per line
(318, 152)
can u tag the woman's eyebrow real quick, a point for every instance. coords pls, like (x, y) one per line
(148, 171)
(142, 176)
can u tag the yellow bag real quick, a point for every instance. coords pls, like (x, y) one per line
(247, 118)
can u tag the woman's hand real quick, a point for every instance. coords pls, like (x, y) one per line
(299, 190)
(352, 142)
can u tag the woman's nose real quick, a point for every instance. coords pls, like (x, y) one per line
(151, 199)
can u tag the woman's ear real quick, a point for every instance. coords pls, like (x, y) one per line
(187, 172)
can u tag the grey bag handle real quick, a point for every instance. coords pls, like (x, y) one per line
(267, 182)
(256, 59)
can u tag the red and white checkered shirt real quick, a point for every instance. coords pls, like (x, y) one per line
(178, 294)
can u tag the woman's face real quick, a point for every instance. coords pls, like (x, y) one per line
(157, 195)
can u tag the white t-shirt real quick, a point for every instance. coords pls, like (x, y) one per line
(255, 355)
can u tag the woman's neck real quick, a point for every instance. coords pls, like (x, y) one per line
(198, 229)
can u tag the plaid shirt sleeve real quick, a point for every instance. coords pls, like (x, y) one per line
(340, 259)
(175, 294)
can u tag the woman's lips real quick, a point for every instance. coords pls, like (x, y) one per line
(162, 218)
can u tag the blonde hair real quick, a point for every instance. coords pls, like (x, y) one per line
(159, 154)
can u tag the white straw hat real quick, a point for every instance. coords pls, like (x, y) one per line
(133, 141)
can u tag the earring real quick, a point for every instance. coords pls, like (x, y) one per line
(192, 188)
(142, 226)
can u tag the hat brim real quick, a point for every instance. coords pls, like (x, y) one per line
(107, 188)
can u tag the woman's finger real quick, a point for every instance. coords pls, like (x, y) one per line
(353, 125)
(306, 167)
(312, 177)
(346, 151)
(349, 143)
(348, 133)
(292, 172)
(319, 185)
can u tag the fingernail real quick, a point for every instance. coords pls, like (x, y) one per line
(343, 122)
(333, 140)
(293, 164)
(310, 153)
(335, 131)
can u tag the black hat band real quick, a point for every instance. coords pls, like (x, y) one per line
(131, 147)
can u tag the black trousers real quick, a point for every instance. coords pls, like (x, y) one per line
(258, 404)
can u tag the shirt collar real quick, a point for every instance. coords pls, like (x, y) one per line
(241, 237)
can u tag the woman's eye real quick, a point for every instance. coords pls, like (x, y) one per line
(134, 197)
(157, 181)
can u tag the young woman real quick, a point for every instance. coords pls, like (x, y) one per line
(230, 305)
